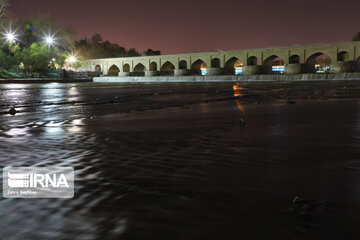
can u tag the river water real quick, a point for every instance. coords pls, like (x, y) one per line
(173, 161)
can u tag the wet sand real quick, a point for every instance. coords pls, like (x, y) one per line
(173, 161)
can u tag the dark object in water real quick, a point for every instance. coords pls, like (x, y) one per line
(290, 102)
(12, 111)
(307, 207)
(242, 122)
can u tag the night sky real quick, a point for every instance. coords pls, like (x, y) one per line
(197, 25)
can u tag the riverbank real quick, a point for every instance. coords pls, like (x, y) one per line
(44, 80)
(234, 78)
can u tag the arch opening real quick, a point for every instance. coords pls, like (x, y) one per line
(294, 59)
(234, 66)
(343, 56)
(252, 61)
(318, 63)
(198, 68)
(97, 68)
(274, 64)
(182, 64)
(126, 68)
(153, 66)
(139, 70)
(113, 71)
(215, 63)
(167, 69)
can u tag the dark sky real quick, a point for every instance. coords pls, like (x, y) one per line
(197, 25)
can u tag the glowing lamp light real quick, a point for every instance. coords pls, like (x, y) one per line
(72, 59)
(49, 40)
(10, 36)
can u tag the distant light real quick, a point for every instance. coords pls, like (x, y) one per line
(203, 71)
(10, 36)
(49, 40)
(238, 70)
(72, 59)
(280, 69)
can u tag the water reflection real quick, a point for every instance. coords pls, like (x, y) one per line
(53, 94)
(76, 126)
(73, 94)
(237, 92)
(182, 172)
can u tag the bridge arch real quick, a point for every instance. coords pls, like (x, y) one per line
(198, 67)
(167, 68)
(126, 67)
(233, 66)
(139, 69)
(153, 66)
(252, 61)
(182, 64)
(273, 64)
(343, 56)
(318, 63)
(294, 59)
(97, 68)
(113, 70)
(215, 63)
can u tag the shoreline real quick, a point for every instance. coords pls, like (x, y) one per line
(44, 80)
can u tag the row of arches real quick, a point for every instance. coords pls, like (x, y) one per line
(231, 66)
(166, 69)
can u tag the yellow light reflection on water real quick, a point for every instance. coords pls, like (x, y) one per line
(237, 92)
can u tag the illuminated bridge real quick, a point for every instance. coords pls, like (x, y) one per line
(331, 58)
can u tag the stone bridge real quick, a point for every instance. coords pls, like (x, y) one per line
(345, 57)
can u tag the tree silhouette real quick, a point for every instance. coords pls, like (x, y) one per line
(3, 6)
(356, 37)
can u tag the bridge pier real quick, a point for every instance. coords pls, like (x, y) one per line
(181, 72)
(251, 70)
(266, 69)
(340, 67)
(294, 68)
(213, 71)
(124, 74)
(151, 73)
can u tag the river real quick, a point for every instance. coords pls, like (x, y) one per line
(176, 161)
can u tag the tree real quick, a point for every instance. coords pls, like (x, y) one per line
(30, 51)
(151, 52)
(36, 29)
(38, 58)
(97, 47)
(3, 6)
(7, 61)
(356, 37)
